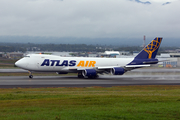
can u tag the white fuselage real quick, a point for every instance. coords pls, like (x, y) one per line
(52, 63)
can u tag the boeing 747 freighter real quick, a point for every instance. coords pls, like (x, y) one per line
(90, 67)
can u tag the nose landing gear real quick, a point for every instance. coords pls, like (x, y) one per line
(30, 75)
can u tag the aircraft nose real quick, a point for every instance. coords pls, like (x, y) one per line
(20, 63)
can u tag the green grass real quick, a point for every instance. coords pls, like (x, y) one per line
(6, 66)
(91, 103)
(7, 63)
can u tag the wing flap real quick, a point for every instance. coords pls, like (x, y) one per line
(106, 67)
(133, 66)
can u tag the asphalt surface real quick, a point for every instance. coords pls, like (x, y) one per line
(135, 77)
(136, 70)
(73, 81)
(13, 71)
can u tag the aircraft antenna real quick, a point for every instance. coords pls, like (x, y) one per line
(144, 44)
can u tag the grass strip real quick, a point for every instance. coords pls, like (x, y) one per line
(124, 103)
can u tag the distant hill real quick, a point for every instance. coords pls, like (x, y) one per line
(88, 41)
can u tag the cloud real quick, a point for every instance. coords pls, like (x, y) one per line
(147, 2)
(163, 1)
(89, 18)
(166, 3)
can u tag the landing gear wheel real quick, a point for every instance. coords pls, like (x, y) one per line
(30, 76)
(80, 75)
(97, 76)
(93, 77)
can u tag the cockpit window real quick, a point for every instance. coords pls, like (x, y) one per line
(26, 56)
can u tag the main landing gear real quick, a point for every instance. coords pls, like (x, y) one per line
(80, 75)
(30, 75)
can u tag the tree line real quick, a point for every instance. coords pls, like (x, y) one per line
(18, 47)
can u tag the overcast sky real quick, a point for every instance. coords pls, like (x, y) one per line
(90, 18)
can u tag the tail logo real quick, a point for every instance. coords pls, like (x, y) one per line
(153, 46)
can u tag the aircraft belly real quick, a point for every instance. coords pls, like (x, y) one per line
(50, 68)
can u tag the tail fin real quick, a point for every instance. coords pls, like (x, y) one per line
(150, 51)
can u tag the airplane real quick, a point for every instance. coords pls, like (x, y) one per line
(90, 67)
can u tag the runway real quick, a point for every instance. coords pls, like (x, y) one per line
(73, 81)
(136, 70)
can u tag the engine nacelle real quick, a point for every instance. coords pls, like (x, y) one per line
(61, 72)
(117, 71)
(89, 72)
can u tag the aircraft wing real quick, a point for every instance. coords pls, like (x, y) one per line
(109, 67)
(127, 66)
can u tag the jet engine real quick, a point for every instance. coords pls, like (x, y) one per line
(90, 73)
(117, 71)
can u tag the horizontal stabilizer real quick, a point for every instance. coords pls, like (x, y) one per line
(151, 62)
(154, 62)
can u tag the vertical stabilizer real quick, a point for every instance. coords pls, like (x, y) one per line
(150, 51)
